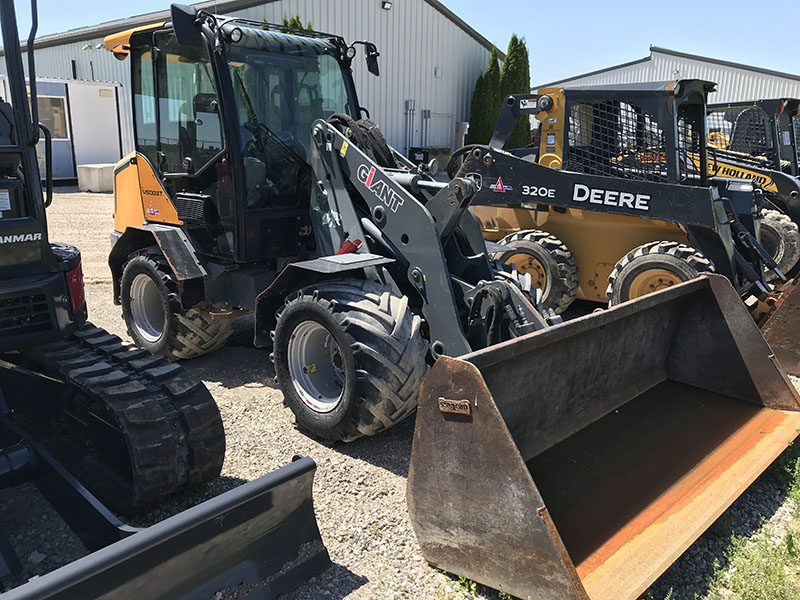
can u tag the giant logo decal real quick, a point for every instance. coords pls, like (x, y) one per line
(380, 188)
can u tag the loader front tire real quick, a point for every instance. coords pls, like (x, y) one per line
(652, 267)
(349, 357)
(154, 316)
(549, 263)
(781, 238)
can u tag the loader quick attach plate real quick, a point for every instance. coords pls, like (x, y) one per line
(262, 536)
(595, 452)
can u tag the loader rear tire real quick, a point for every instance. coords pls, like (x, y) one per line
(349, 357)
(154, 316)
(781, 238)
(548, 261)
(652, 267)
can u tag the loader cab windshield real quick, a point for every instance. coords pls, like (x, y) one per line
(278, 96)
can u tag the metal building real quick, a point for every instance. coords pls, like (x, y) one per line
(430, 59)
(735, 82)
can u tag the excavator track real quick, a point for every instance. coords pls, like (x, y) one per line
(140, 427)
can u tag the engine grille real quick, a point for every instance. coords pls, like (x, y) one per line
(24, 314)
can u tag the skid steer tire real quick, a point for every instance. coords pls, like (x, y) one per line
(154, 316)
(781, 238)
(652, 267)
(549, 262)
(349, 357)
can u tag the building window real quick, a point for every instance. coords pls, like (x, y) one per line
(53, 115)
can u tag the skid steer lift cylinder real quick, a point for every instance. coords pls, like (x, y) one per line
(580, 461)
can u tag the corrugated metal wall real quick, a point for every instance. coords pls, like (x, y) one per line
(734, 84)
(424, 56)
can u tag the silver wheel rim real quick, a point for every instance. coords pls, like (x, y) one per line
(316, 366)
(147, 309)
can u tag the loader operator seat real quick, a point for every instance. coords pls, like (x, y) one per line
(272, 171)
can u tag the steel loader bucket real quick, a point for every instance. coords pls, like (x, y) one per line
(581, 461)
(261, 535)
(781, 328)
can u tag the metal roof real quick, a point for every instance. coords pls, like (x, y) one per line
(218, 7)
(659, 50)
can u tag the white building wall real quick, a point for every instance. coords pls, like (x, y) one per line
(734, 83)
(425, 56)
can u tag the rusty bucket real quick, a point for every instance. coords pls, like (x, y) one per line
(582, 460)
(782, 326)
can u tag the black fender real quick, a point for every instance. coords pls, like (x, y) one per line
(175, 246)
(296, 276)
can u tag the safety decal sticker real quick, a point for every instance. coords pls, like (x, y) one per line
(500, 186)
(527, 103)
(152, 210)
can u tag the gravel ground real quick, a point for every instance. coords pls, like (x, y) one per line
(359, 490)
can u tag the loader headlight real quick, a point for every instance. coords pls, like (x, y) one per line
(351, 52)
(236, 35)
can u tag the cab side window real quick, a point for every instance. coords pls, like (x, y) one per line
(144, 102)
(190, 130)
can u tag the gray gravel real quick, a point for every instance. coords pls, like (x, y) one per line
(359, 490)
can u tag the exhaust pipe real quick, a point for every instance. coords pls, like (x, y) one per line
(580, 461)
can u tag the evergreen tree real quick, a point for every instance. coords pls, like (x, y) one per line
(495, 99)
(294, 23)
(516, 79)
(485, 104)
(478, 122)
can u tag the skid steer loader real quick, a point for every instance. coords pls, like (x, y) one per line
(99, 426)
(757, 141)
(610, 205)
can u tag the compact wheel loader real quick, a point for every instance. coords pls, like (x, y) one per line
(99, 426)
(255, 187)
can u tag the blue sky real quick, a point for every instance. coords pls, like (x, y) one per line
(563, 38)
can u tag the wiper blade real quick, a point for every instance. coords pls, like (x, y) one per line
(258, 128)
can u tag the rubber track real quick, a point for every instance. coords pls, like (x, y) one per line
(170, 421)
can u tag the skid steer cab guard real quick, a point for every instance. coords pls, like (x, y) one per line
(261, 535)
(581, 461)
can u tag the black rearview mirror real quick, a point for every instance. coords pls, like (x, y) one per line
(372, 58)
(183, 22)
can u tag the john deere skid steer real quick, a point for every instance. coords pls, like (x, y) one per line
(610, 206)
(98, 426)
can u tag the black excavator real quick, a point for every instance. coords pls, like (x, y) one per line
(102, 428)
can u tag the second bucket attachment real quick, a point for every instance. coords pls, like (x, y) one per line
(581, 461)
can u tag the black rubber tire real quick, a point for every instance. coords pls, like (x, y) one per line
(170, 423)
(558, 262)
(679, 259)
(187, 333)
(781, 238)
(383, 356)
